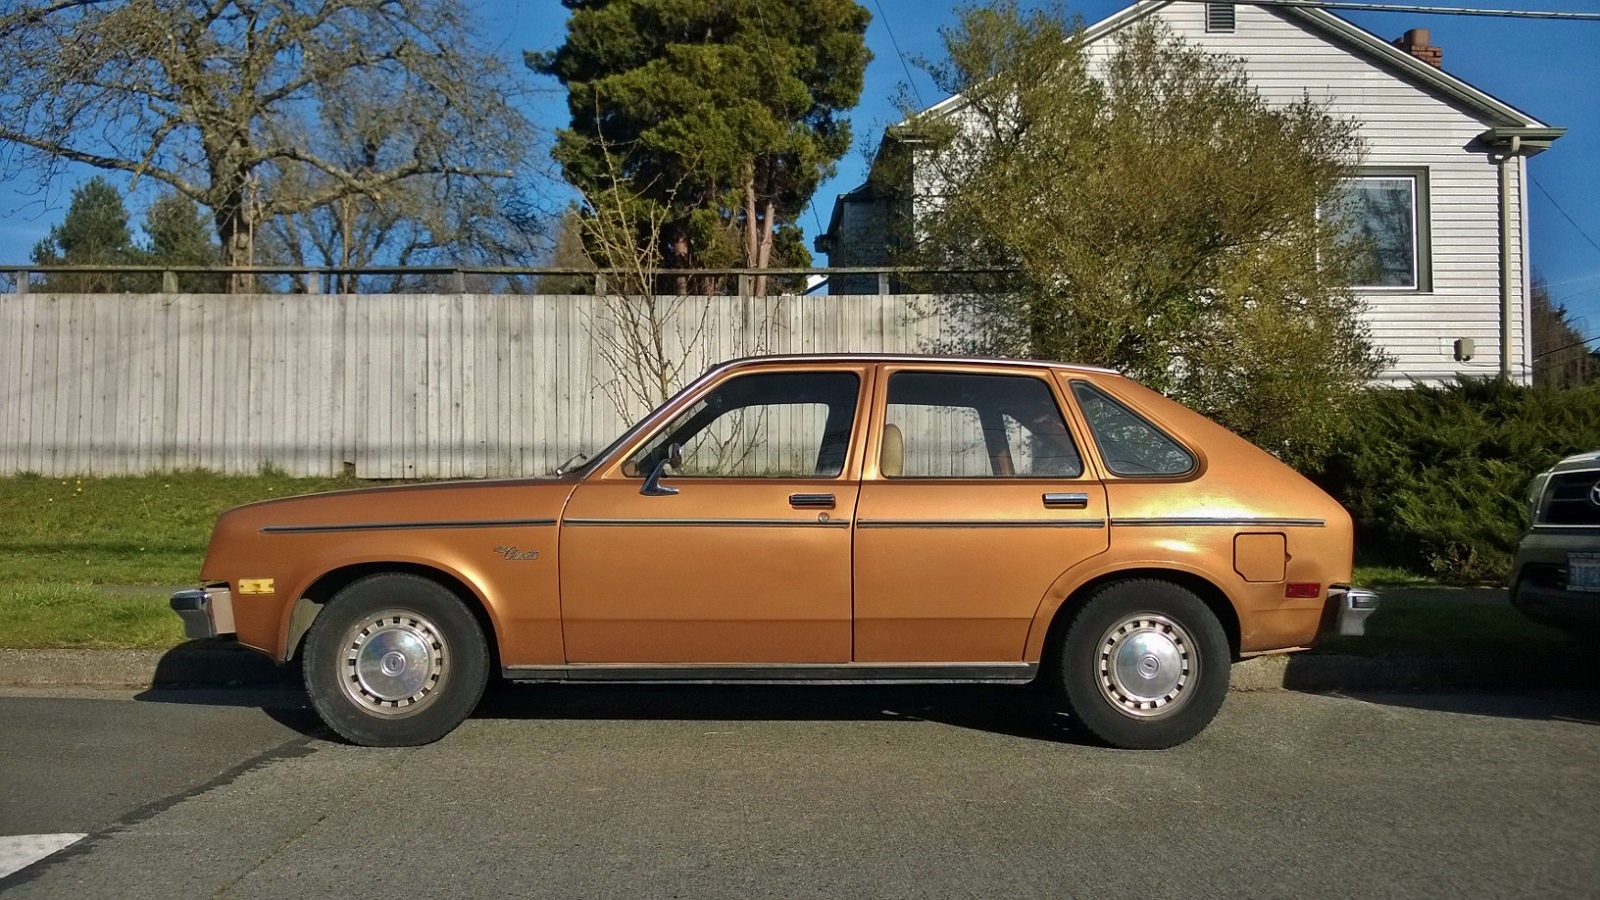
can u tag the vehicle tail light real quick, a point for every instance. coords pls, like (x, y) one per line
(1302, 590)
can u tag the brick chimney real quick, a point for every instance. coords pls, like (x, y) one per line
(1415, 42)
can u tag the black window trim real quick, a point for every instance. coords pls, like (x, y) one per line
(665, 427)
(1084, 474)
(1194, 458)
(1421, 226)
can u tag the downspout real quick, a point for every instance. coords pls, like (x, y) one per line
(1507, 295)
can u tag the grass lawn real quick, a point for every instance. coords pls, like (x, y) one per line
(62, 538)
(1442, 621)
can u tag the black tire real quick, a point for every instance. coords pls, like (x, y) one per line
(1174, 664)
(395, 660)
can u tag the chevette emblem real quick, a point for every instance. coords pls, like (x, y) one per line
(516, 554)
(1594, 494)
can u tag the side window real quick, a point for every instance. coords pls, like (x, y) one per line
(775, 425)
(948, 425)
(1129, 444)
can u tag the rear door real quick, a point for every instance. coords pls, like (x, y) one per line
(974, 499)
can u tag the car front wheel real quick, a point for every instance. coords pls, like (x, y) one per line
(395, 660)
(1144, 664)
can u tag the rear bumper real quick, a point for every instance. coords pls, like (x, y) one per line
(1347, 611)
(206, 612)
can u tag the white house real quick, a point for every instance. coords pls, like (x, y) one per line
(1445, 158)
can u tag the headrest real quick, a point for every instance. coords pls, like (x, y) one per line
(892, 459)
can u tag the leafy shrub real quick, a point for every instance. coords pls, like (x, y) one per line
(1436, 477)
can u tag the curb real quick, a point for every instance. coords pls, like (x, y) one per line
(215, 664)
(194, 664)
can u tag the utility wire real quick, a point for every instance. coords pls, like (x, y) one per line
(1432, 10)
(1563, 212)
(911, 82)
(1568, 346)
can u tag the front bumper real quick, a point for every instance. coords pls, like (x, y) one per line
(1347, 610)
(206, 612)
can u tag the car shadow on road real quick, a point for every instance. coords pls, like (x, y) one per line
(1017, 711)
(226, 674)
(1578, 706)
(223, 673)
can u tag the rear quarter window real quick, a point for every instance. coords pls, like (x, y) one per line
(1129, 444)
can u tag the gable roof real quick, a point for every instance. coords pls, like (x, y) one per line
(1358, 40)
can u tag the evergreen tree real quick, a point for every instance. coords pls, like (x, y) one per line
(179, 235)
(721, 115)
(94, 232)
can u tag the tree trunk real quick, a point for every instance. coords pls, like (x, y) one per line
(764, 246)
(678, 258)
(752, 243)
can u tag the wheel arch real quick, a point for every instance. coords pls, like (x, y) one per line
(311, 601)
(1209, 593)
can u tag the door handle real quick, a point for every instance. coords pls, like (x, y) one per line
(1066, 501)
(811, 501)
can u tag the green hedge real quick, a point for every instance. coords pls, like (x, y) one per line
(1437, 477)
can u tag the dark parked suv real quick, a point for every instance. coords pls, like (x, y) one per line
(1556, 576)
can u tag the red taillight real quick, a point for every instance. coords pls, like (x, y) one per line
(1302, 590)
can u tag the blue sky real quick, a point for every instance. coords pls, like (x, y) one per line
(1549, 69)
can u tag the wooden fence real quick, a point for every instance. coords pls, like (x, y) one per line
(395, 386)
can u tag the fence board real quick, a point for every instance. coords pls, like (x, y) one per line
(397, 386)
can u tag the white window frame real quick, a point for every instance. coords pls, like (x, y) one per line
(1421, 228)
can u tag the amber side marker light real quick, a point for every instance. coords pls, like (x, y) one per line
(1302, 590)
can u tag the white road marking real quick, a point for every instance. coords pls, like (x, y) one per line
(18, 852)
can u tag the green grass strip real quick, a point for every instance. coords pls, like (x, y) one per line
(53, 616)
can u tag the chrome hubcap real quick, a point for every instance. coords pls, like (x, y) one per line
(393, 662)
(1146, 663)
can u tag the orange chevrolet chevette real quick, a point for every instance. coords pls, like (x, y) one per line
(812, 519)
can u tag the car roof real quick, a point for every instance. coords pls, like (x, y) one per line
(930, 359)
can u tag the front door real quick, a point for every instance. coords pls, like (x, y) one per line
(743, 556)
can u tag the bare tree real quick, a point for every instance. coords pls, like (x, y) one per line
(651, 341)
(1561, 355)
(217, 98)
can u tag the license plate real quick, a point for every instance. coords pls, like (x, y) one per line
(1583, 572)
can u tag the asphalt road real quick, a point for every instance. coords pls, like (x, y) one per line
(802, 792)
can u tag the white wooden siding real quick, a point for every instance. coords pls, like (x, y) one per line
(386, 386)
(1403, 124)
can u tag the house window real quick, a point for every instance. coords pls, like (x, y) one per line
(1387, 212)
(1219, 18)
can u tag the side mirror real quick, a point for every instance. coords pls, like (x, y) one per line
(652, 483)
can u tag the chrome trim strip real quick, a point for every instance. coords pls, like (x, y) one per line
(779, 673)
(715, 523)
(404, 526)
(1244, 521)
(981, 523)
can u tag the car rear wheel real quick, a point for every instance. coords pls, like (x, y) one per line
(395, 660)
(1144, 664)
